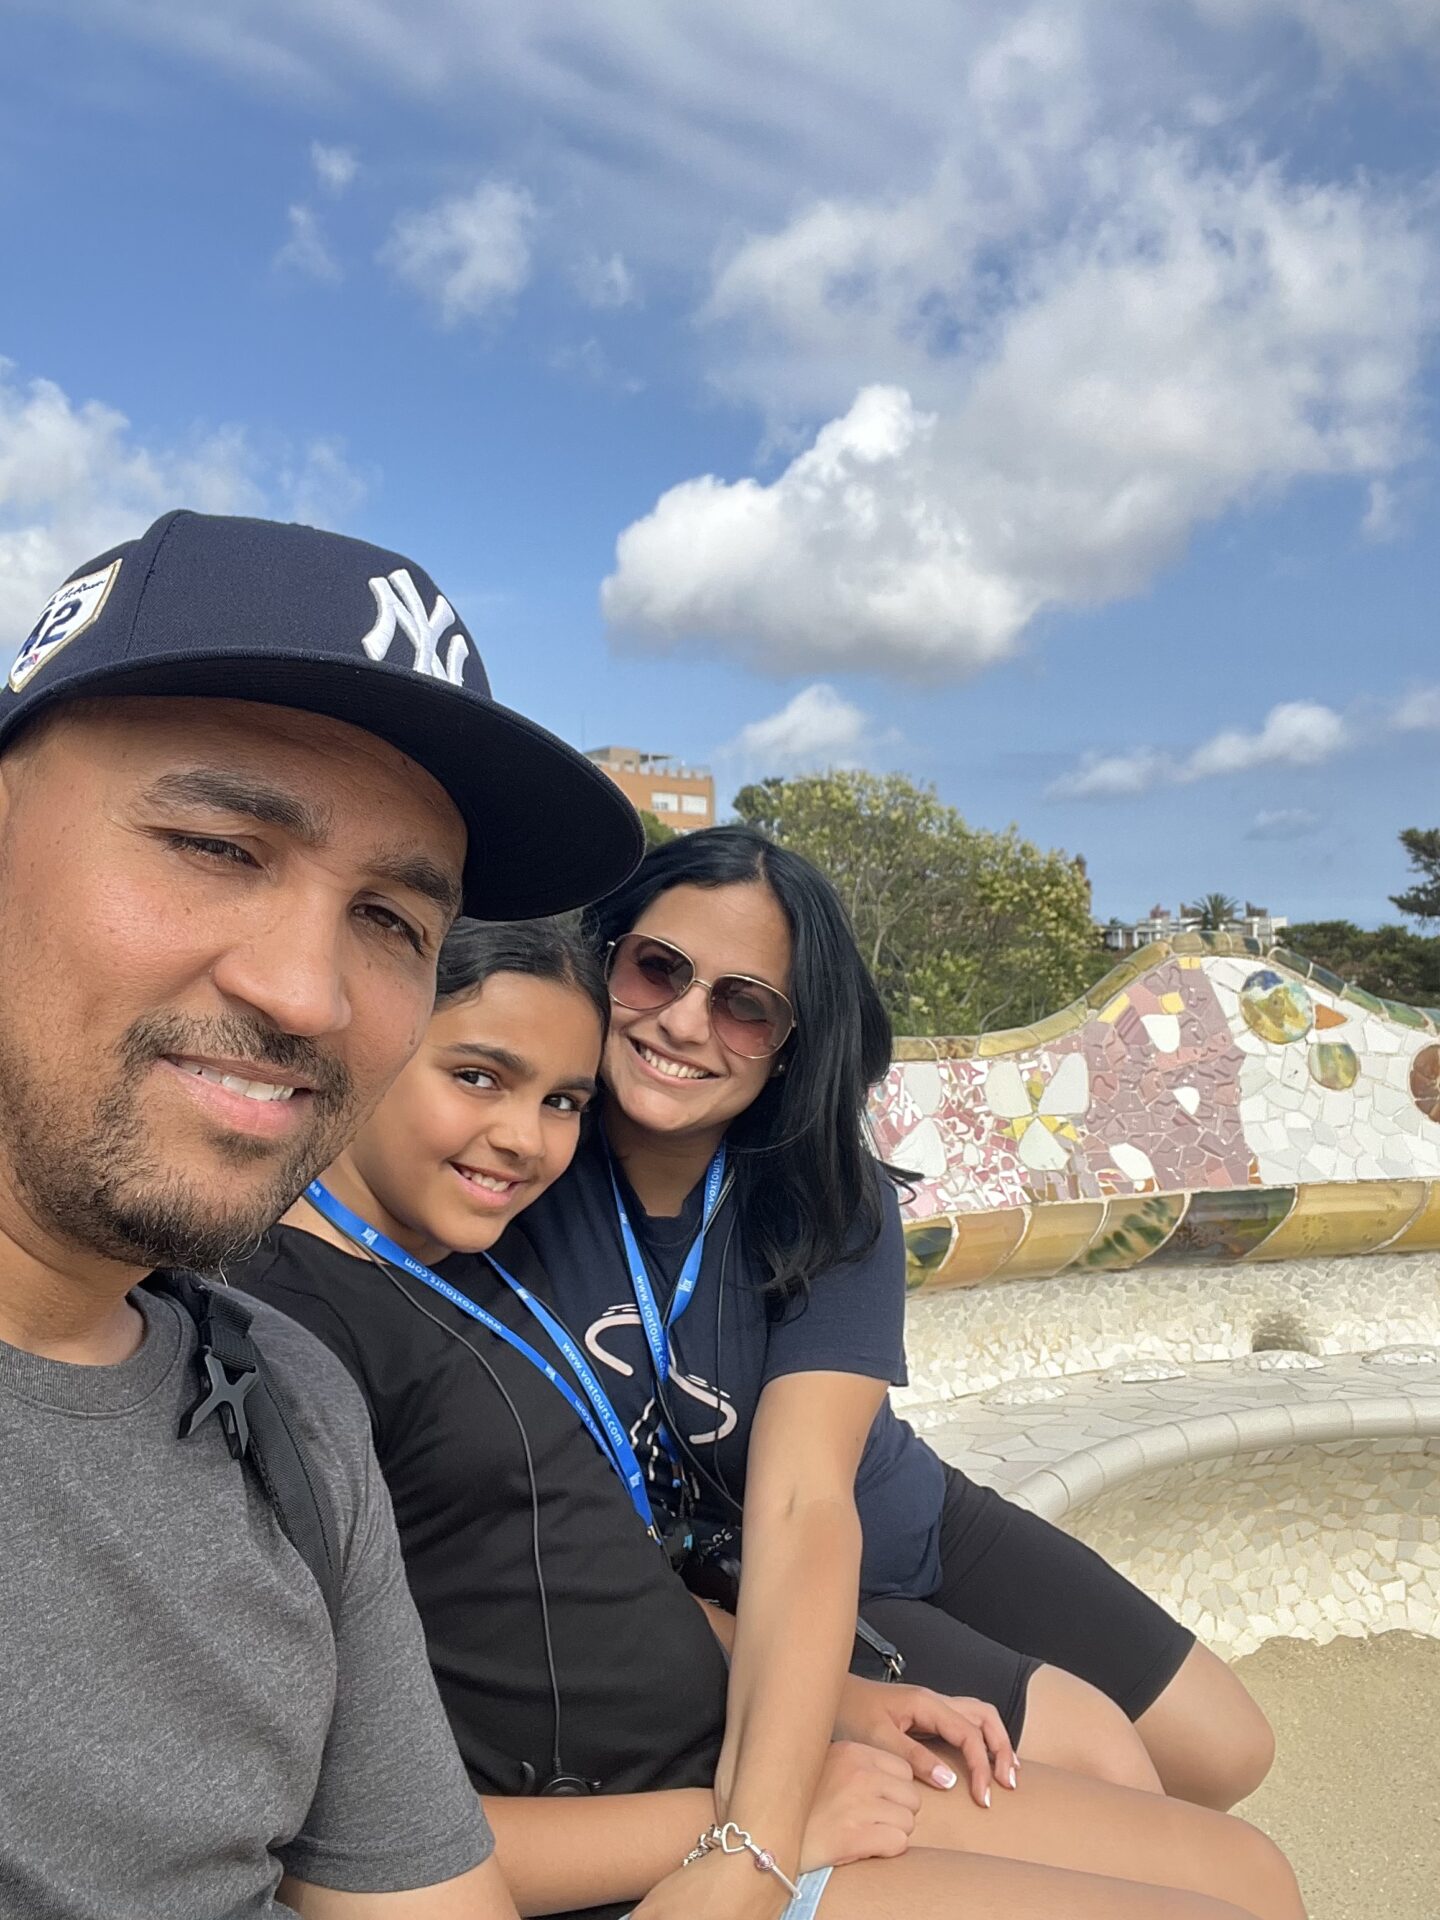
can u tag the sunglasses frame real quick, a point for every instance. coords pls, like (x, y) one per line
(745, 979)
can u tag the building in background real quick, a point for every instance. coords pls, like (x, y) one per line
(683, 797)
(1254, 922)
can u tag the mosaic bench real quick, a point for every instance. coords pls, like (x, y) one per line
(1172, 1254)
(1278, 1494)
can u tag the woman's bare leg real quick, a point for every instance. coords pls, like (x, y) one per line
(1072, 1725)
(1089, 1826)
(1208, 1739)
(927, 1885)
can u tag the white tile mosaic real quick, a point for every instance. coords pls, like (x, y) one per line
(1250, 1496)
(1312, 1542)
(974, 1339)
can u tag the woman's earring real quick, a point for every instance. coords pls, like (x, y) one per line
(779, 1069)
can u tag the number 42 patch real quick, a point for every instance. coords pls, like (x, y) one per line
(65, 614)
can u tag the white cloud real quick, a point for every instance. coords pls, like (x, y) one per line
(1113, 776)
(844, 558)
(306, 249)
(1361, 31)
(1283, 823)
(1185, 340)
(335, 167)
(75, 479)
(588, 361)
(818, 727)
(606, 284)
(467, 254)
(1418, 712)
(1297, 733)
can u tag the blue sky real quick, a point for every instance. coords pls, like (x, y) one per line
(1036, 399)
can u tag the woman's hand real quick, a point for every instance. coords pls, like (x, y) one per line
(864, 1808)
(882, 1715)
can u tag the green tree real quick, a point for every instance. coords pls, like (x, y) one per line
(656, 831)
(1214, 911)
(1422, 900)
(965, 930)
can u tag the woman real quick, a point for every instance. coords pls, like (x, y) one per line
(780, 1352)
(572, 1661)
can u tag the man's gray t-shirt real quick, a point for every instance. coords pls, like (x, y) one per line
(178, 1719)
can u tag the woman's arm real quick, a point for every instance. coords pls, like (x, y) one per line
(559, 1853)
(795, 1625)
(799, 1593)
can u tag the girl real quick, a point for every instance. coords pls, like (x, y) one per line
(745, 1028)
(585, 1687)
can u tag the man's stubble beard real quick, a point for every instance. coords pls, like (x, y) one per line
(96, 1184)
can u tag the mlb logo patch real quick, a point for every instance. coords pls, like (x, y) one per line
(65, 614)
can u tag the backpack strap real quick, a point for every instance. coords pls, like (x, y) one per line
(236, 1387)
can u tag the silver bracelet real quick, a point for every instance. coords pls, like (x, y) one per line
(732, 1839)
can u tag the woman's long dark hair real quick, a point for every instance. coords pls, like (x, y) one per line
(474, 950)
(806, 1183)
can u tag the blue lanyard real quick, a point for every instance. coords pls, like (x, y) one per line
(613, 1442)
(656, 1329)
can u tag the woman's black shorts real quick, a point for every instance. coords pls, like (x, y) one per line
(1017, 1593)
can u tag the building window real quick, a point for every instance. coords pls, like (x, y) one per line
(664, 803)
(694, 803)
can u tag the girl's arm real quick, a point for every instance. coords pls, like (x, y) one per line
(795, 1625)
(558, 1854)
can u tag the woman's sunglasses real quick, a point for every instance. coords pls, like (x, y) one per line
(645, 974)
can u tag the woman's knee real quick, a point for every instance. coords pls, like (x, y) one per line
(1254, 1748)
(1070, 1724)
(1276, 1892)
(1210, 1741)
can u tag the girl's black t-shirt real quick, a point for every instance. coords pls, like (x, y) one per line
(642, 1678)
(730, 1342)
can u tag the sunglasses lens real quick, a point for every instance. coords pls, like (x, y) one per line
(645, 974)
(751, 1018)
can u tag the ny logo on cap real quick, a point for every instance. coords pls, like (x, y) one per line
(398, 604)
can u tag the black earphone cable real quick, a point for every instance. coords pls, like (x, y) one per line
(557, 1767)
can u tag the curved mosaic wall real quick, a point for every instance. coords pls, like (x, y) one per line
(1209, 1100)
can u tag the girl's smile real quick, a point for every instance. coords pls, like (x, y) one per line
(481, 1122)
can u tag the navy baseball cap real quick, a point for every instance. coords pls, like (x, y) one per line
(255, 610)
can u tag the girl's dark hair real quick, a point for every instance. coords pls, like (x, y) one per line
(473, 950)
(806, 1181)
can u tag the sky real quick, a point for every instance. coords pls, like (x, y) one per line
(1037, 400)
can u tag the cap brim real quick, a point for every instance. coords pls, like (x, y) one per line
(547, 829)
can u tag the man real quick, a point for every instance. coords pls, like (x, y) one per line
(248, 775)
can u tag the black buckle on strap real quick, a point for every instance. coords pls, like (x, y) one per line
(225, 1396)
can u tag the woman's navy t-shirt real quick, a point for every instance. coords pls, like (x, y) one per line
(733, 1340)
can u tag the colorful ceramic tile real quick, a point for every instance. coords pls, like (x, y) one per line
(1132, 1231)
(1334, 1064)
(1422, 1235)
(1277, 1009)
(1363, 999)
(1425, 1082)
(1333, 1218)
(926, 1246)
(1179, 1073)
(1055, 1236)
(979, 1248)
(1227, 1226)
